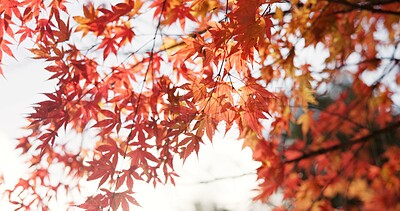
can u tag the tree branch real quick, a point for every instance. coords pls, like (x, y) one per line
(225, 178)
(310, 154)
(367, 7)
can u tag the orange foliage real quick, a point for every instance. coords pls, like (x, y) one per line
(333, 142)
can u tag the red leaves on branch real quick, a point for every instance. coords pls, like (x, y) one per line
(103, 169)
(109, 122)
(325, 135)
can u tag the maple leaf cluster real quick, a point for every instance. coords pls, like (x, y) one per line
(333, 140)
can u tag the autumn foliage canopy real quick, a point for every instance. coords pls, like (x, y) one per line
(310, 85)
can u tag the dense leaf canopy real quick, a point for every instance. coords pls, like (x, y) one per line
(310, 85)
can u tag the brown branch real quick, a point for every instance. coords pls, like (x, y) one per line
(382, 2)
(363, 139)
(197, 33)
(367, 7)
(341, 116)
(115, 185)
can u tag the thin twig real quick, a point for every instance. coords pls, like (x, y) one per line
(339, 146)
(366, 7)
(225, 178)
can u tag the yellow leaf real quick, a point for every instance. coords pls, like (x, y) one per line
(278, 14)
(308, 95)
(305, 120)
(169, 45)
(359, 189)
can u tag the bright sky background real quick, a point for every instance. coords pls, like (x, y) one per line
(26, 79)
